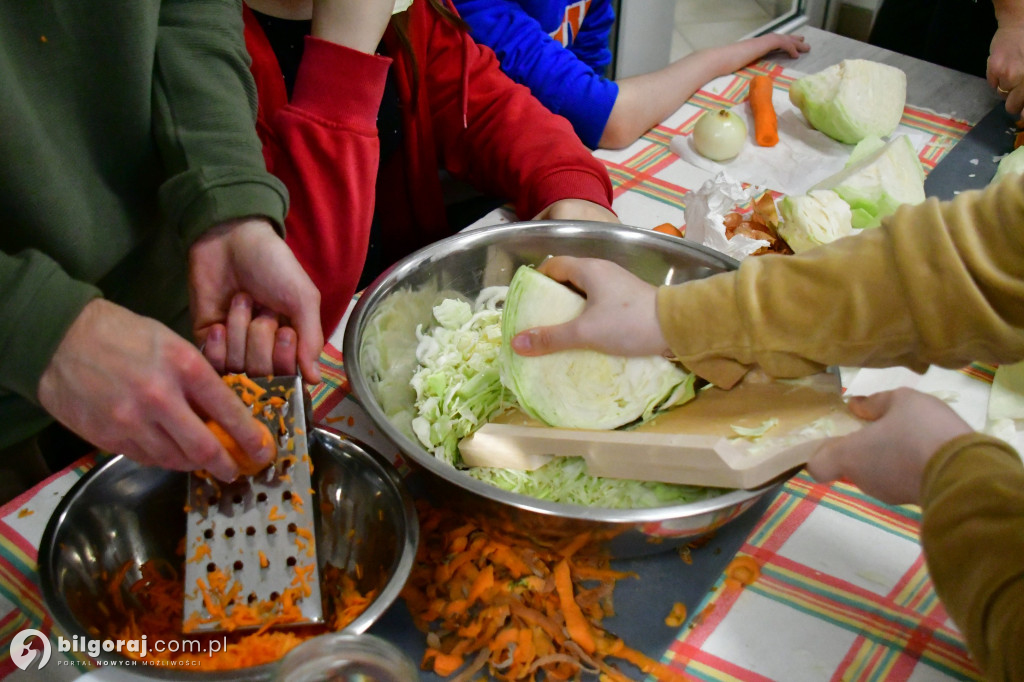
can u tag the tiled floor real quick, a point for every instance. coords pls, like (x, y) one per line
(704, 23)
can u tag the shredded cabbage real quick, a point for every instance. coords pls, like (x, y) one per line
(457, 384)
(565, 480)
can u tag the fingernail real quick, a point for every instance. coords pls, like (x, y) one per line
(522, 342)
(216, 334)
(240, 301)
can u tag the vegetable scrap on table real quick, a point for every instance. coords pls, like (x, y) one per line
(495, 600)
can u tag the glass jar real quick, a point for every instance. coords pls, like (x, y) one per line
(344, 657)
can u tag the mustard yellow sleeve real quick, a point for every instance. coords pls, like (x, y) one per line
(938, 283)
(973, 538)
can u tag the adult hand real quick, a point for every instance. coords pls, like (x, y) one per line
(1005, 70)
(256, 344)
(247, 257)
(887, 458)
(358, 24)
(576, 209)
(130, 385)
(620, 317)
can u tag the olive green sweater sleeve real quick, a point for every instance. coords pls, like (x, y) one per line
(938, 283)
(204, 105)
(973, 538)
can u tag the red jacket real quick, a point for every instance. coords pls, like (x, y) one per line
(468, 118)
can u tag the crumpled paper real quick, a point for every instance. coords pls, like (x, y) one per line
(705, 212)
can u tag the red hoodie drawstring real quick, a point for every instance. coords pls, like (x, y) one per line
(465, 80)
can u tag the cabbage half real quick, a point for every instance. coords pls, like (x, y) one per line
(580, 389)
(1011, 163)
(853, 99)
(878, 179)
(818, 217)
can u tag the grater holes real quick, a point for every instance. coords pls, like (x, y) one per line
(208, 533)
(229, 533)
(250, 531)
(292, 527)
(238, 565)
(211, 567)
(286, 495)
(251, 599)
(271, 529)
(291, 561)
(274, 596)
(261, 497)
(237, 499)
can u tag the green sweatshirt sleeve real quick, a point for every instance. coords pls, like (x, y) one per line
(938, 283)
(973, 538)
(38, 303)
(211, 152)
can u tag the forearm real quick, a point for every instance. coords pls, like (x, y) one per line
(513, 146)
(326, 150)
(647, 99)
(973, 539)
(1009, 13)
(938, 283)
(204, 104)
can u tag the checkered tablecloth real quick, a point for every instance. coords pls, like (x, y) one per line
(843, 592)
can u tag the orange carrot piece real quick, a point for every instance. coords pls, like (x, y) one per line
(668, 228)
(743, 570)
(766, 124)
(575, 621)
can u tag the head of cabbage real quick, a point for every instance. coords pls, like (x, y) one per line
(581, 389)
(853, 99)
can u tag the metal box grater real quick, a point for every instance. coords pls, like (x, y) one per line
(250, 544)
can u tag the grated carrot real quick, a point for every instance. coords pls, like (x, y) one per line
(494, 600)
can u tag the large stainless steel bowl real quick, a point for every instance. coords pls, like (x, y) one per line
(124, 512)
(379, 350)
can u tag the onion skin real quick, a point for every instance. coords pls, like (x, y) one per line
(719, 135)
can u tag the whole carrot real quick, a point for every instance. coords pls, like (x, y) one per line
(766, 125)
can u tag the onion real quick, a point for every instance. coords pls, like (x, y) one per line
(719, 135)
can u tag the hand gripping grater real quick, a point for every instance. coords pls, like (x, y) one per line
(250, 557)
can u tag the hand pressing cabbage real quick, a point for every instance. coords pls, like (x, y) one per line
(818, 217)
(878, 178)
(853, 99)
(579, 389)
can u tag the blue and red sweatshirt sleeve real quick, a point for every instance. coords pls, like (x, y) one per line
(566, 75)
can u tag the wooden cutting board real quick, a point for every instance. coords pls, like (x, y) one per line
(693, 444)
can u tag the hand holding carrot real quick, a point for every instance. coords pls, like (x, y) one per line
(130, 385)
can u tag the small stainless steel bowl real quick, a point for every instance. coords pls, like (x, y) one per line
(124, 512)
(379, 349)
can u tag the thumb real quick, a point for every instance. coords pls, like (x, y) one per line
(871, 407)
(826, 463)
(544, 340)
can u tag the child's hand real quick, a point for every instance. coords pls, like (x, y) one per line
(358, 24)
(886, 459)
(790, 44)
(576, 209)
(620, 317)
